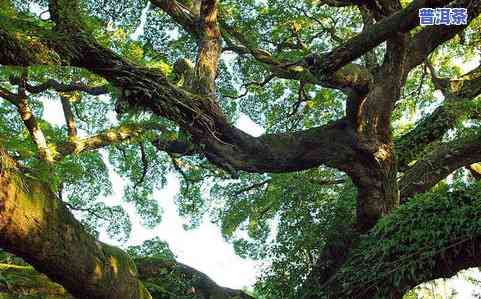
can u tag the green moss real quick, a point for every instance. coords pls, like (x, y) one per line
(23, 282)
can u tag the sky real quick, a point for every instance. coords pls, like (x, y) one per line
(203, 248)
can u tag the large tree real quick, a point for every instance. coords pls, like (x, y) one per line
(363, 185)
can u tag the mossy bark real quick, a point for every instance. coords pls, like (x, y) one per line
(35, 225)
(165, 279)
(432, 236)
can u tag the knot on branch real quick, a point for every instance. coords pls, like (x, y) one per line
(132, 99)
(184, 72)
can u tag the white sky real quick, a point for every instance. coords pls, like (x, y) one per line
(202, 248)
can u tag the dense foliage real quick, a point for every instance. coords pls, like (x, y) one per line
(286, 220)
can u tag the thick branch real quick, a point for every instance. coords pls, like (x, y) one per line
(109, 137)
(165, 278)
(26, 114)
(430, 129)
(439, 164)
(69, 117)
(352, 76)
(36, 226)
(61, 87)
(400, 22)
(157, 269)
(209, 48)
(421, 241)
(225, 145)
(178, 12)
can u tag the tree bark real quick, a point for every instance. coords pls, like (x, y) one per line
(165, 279)
(35, 225)
(434, 236)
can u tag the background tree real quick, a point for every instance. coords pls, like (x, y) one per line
(364, 184)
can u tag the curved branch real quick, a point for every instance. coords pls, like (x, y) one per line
(156, 273)
(158, 269)
(178, 12)
(36, 226)
(443, 118)
(439, 164)
(400, 22)
(29, 120)
(224, 145)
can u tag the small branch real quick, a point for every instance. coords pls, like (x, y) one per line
(7, 95)
(251, 187)
(145, 166)
(178, 168)
(339, 3)
(256, 83)
(327, 182)
(61, 87)
(87, 210)
(69, 117)
(20, 101)
(302, 97)
(109, 137)
(176, 147)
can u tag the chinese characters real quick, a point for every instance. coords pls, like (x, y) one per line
(443, 16)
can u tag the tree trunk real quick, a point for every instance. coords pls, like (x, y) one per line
(164, 279)
(430, 237)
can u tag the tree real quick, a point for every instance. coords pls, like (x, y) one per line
(356, 182)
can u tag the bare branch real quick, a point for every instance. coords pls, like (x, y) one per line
(69, 117)
(252, 83)
(251, 187)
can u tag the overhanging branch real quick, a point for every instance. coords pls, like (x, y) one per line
(437, 165)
